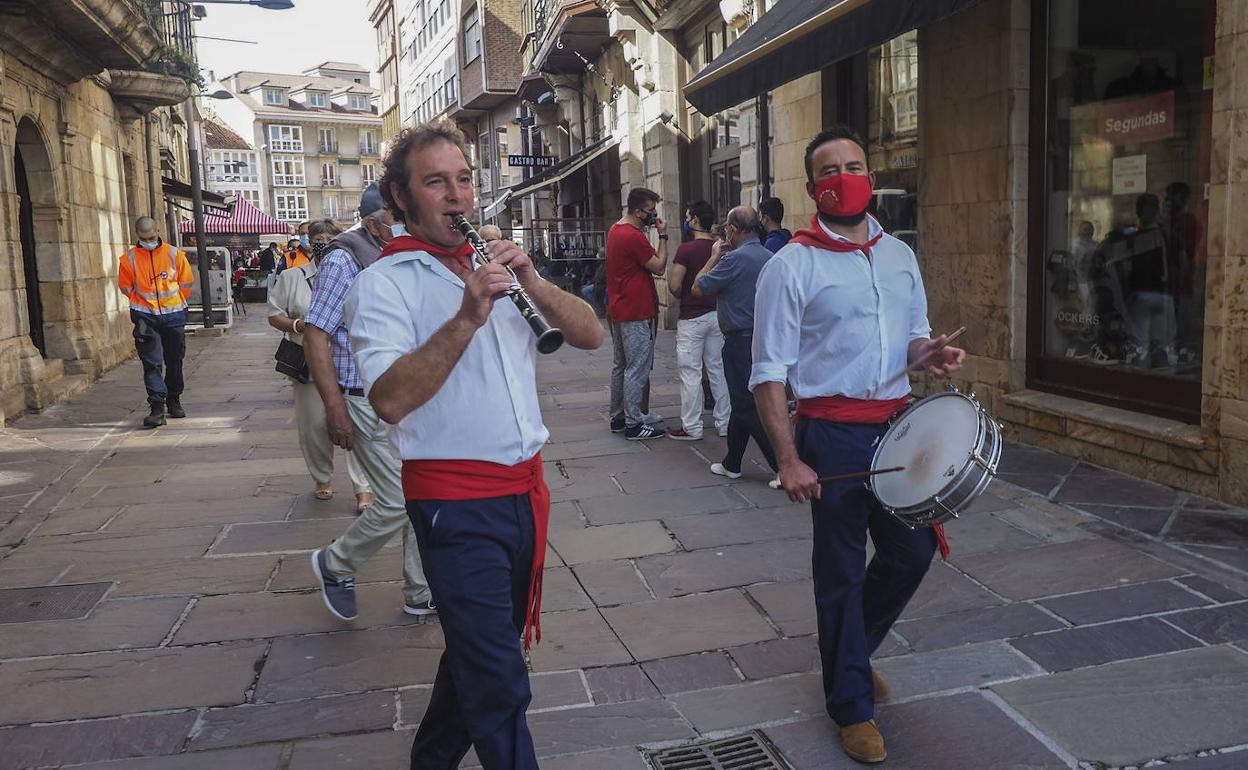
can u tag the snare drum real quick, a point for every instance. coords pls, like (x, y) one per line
(949, 447)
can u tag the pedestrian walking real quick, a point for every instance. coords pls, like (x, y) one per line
(288, 306)
(633, 310)
(840, 310)
(156, 278)
(352, 423)
(699, 340)
(771, 215)
(451, 364)
(731, 274)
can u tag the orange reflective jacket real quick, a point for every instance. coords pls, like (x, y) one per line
(156, 281)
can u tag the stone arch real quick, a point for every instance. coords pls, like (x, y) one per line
(39, 230)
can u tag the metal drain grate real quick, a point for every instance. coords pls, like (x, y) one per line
(742, 752)
(23, 605)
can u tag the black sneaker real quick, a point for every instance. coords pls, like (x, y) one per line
(617, 425)
(174, 405)
(156, 418)
(644, 432)
(338, 593)
(423, 609)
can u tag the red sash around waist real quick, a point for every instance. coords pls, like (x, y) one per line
(476, 480)
(846, 409)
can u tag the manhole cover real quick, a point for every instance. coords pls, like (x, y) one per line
(742, 752)
(22, 605)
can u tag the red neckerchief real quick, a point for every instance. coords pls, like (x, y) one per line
(462, 255)
(816, 236)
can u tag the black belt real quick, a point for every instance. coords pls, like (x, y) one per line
(351, 391)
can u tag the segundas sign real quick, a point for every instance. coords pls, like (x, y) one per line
(1136, 120)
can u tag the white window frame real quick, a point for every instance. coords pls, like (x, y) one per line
(368, 172)
(284, 138)
(329, 206)
(288, 171)
(318, 99)
(327, 140)
(274, 97)
(291, 205)
(472, 35)
(368, 141)
(357, 102)
(329, 175)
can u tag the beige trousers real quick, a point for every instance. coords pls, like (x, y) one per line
(388, 513)
(318, 450)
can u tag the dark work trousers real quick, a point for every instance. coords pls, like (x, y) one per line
(745, 422)
(477, 555)
(161, 342)
(855, 603)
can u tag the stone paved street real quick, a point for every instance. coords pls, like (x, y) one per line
(1084, 617)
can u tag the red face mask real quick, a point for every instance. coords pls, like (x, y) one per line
(843, 195)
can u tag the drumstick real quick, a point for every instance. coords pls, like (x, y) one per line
(921, 359)
(859, 474)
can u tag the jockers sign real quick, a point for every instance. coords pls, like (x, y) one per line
(1132, 121)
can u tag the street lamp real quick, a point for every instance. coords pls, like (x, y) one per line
(268, 5)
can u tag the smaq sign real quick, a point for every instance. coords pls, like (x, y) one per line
(1131, 121)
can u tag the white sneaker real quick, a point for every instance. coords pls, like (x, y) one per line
(775, 483)
(723, 432)
(719, 470)
(650, 418)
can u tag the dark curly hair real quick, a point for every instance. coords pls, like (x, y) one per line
(417, 138)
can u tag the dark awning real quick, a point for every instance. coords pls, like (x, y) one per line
(562, 170)
(798, 37)
(178, 189)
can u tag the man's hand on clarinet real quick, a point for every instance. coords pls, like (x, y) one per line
(481, 288)
(505, 252)
(799, 480)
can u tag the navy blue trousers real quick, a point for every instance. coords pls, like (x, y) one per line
(161, 343)
(744, 421)
(477, 555)
(855, 603)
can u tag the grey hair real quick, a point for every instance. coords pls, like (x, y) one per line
(744, 218)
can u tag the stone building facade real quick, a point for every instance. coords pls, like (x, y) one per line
(85, 129)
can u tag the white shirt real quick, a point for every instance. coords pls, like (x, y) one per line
(487, 409)
(837, 323)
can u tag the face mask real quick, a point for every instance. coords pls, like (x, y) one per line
(305, 240)
(843, 195)
(318, 249)
(686, 229)
(397, 229)
(649, 219)
(151, 245)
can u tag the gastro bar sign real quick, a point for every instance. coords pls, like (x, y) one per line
(533, 161)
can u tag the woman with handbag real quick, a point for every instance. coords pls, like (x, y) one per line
(288, 304)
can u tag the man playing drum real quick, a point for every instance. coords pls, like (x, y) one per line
(840, 310)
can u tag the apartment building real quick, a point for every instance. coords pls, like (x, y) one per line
(319, 135)
(232, 165)
(383, 15)
(427, 62)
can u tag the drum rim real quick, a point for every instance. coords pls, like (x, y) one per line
(977, 447)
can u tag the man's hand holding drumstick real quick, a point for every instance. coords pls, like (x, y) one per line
(935, 355)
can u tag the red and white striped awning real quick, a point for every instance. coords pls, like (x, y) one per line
(246, 220)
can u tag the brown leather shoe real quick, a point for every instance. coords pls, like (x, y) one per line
(862, 742)
(882, 690)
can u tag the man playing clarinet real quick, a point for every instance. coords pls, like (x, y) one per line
(840, 311)
(451, 367)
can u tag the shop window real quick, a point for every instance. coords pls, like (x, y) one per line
(1118, 274)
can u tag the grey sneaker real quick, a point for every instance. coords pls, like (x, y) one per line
(338, 593)
(421, 610)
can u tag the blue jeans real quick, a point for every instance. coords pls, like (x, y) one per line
(855, 603)
(161, 343)
(744, 421)
(477, 556)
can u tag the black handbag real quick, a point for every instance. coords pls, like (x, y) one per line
(291, 361)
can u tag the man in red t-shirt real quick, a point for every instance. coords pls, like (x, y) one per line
(633, 306)
(699, 340)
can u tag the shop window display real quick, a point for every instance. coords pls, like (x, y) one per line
(1126, 172)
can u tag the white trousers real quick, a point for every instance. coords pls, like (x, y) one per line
(699, 342)
(318, 451)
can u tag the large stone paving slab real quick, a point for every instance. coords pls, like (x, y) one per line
(755, 703)
(1126, 713)
(112, 625)
(280, 536)
(1093, 645)
(387, 750)
(791, 606)
(973, 665)
(612, 582)
(1215, 625)
(959, 732)
(252, 758)
(670, 627)
(1125, 602)
(185, 576)
(979, 625)
(664, 505)
(576, 639)
(126, 682)
(153, 516)
(1064, 568)
(109, 548)
(613, 541)
(619, 724)
(700, 671)
(103, 739)
(736, 527)
(946, 590)
(1095, 485)
(243, 725)
(689, 572)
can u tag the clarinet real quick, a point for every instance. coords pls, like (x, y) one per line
(549, 339)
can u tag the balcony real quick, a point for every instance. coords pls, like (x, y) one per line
(328, 182)
(327, 148)
(68, 40)
(169, 77)
(368, 150)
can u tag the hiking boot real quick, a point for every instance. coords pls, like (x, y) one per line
(156, 417)
(338, 593)
(862, 742)
(174, 405)
(643, 432)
